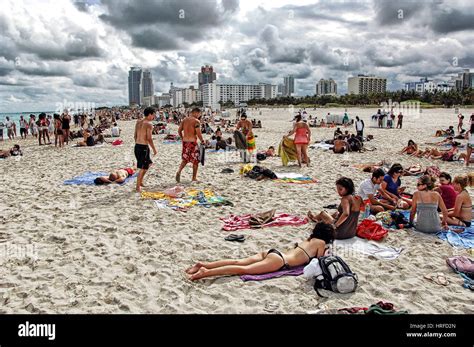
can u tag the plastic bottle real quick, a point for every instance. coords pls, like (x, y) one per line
(367, 211)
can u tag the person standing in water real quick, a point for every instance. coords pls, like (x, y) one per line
(189, 131)
(143, 142)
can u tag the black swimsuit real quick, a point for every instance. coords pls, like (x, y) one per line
(286, 266)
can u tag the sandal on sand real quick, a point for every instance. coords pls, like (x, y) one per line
(233, 237)
(439, 279)
(271, 306)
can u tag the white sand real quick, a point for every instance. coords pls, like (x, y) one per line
(105, 250)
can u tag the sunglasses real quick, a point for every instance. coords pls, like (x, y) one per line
(420, 184)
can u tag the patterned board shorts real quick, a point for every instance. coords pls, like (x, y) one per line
(190, 152)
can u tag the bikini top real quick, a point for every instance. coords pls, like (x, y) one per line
(310, 258)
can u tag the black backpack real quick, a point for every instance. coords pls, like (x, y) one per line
(335, 276)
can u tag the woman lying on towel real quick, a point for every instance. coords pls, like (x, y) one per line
(117, 176)
(270, 261)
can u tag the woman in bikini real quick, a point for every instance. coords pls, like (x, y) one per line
(302, 139)
(58, 132)
(346, 218)
(461, 214)
(411, 148)
(270, 261)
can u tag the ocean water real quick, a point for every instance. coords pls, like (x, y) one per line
(15, 117)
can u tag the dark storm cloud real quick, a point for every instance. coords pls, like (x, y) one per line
(451, 20)
(396, 12)
(157, 24)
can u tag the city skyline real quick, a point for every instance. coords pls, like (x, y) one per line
(84, 49)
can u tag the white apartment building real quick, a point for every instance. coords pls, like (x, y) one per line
(213, 93)
(363, 84)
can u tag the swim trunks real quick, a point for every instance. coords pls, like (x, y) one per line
(190, 153)
(142, 153)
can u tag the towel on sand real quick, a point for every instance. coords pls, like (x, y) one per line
(295, 271)
(291, 177)
(287, 151)
(463, 240)
(188, 198)
(88, 178)
(234, 222)
(367, 247)
(323, 146)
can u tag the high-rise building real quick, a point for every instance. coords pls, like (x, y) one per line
(363, 84)
(147, 84)
(269, 91)
(326, 87)
(207, 75)
(289, 83)
(135, 85)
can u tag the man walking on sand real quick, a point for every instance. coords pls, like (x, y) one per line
(189, 131)
(143, 142)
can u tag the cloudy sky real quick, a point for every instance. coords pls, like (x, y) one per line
(53, 51)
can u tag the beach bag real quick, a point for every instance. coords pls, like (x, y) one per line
(371, 230)
(335, 275)
(461, 264)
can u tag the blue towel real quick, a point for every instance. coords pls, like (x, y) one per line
(89, 177)
(463, 240)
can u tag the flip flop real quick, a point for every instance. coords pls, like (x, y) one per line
(234, 237)
(439, 279)
(331, 207)
(227, 170)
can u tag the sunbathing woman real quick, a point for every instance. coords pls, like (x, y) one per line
(117, 176)
(273, 260)
(12, 152)
(347, 215)
(461, 214)
(411, 148)
(445, 155)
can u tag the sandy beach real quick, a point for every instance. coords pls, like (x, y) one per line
(86, 249)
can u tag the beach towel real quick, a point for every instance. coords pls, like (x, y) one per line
(234, 222)
(323, 146)
(251, 143)
(291, 177)
(240, 140)
(462, 240)
(369, 248)
(202, 153)
(177, 199)
(171, 142)
(88, 178)
(295, 271)
(287, 151)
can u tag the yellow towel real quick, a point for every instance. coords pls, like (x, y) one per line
(287, 151)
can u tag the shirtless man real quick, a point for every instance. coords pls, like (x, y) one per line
(143, 142)
(246, 127)
(339, 145)
(189, 131)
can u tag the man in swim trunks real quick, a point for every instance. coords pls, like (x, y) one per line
(143, 142)
(340, 145)
(246, 127)
(189, 131)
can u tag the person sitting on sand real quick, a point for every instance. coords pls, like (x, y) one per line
(12, 152)
(425, 206)
(117, 176)
(340, 145)
(337, 133)
(269, 261)
(391, 190)
(450, 131)
(88, 140)
(368, 191)
(461, 214)
(270, 152)
(411, 148)
(115, 130)
(354, 144)
(446, 190)
(346, 218)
